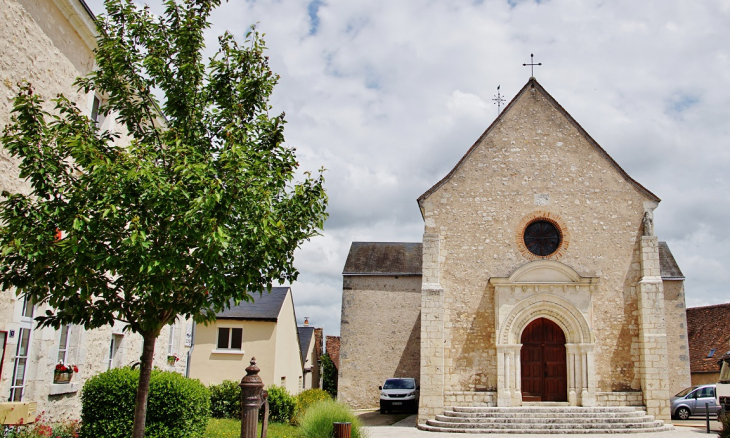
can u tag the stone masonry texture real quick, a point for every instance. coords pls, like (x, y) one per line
(380, 334)
(534, 162)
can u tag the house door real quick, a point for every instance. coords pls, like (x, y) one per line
(544, 373)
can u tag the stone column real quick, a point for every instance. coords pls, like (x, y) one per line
(432, 333)
(588, 378)
(571, 350)
(653, 332)
(509, 375)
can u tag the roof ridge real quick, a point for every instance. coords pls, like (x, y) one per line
(532, 83)
(709, 306)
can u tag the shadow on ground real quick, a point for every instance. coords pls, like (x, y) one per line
(375, 418)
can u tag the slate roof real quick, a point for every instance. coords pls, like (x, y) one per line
(667, 265)
(532, 82)
(265, 307)
(384, 258)
(707, 329)
(305, 337)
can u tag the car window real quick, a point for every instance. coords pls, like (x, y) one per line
(399, 384)
(705, 392)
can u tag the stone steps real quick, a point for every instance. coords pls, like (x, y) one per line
(551, 419)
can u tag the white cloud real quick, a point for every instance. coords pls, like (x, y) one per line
(388, 95)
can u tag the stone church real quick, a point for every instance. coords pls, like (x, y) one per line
(539, 280)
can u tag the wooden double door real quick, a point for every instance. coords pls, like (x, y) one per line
(544, 372)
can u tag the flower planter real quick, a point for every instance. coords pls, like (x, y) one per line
(61, 378)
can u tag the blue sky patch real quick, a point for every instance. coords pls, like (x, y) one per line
(313, 10)
(681, 102)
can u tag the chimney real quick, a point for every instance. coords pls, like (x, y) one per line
(306, 321)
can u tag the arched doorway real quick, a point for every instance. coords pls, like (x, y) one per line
(544, 372)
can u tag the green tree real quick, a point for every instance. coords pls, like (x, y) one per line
(198, 210)
(329, 375)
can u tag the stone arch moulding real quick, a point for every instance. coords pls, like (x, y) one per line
(554, 308)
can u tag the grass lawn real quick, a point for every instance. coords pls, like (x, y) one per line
(227, 428)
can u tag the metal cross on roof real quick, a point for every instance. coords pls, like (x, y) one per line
(498, 100)
(532, 65)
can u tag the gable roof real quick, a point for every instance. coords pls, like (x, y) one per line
(305, 338)
(668, 267)
(265, 307)
(384, 258)
(532, 83)
(707, 330)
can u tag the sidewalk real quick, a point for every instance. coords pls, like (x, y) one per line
(406, 428)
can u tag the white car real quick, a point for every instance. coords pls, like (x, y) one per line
(399, 394)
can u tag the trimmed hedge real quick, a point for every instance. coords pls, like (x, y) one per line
(225, 400)
(177, 407)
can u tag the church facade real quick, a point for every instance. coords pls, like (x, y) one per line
(539, 279)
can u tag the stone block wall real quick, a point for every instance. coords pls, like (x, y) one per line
(678, 366)
(618, 398)
(534, 159)
(380, 335)
(470, 398)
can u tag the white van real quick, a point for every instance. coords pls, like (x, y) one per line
(399, 394)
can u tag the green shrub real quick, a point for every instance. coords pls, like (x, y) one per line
(319, 418)
(225, 400)
(281, 404)
(177, 406)
(307, 398)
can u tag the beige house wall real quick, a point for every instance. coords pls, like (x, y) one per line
(288, 366)
(703, 379)
(311, 379)
(212, 367)
(275, 345)
(380, 335)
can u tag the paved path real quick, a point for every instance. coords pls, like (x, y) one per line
(407, 429)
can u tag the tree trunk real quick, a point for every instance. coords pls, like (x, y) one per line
(143, 388)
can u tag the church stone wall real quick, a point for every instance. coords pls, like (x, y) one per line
(380, 333)
(535, 160)
(677, 347)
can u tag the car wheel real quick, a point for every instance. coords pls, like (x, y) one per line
(683, 413)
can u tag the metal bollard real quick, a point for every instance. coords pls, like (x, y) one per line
(342, 430)
(707, 415)
(251, 390)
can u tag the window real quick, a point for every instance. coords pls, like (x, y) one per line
(171, 341)
(712, 352)
(63, 345)
(27, 307)
(21, 360)
(113, 349)
(3, 338)
(95, 109)
(229, 338)
(542, 237)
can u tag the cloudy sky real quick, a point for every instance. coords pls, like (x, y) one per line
(389, 94)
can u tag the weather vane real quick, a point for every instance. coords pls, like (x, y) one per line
(498, 100)
(532, 65)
